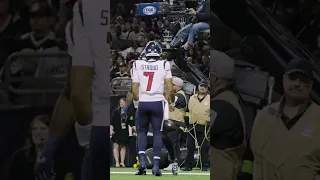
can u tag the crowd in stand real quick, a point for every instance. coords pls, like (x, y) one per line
(31, 26)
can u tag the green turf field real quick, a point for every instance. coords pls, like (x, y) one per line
(128, 174)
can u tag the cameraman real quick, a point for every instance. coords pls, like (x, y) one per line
(173, 129)
(200, 22)
(227, 131)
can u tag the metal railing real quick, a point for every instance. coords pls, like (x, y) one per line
(9, 79)
(120, 86)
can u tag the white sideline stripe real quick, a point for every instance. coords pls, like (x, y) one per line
(181, 173)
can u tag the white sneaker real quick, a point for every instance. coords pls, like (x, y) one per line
(185, 46)
(169, 168)
(175, 169)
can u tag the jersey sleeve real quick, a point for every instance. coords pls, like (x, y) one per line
(167, 69)
(134, 73)
(69, 37)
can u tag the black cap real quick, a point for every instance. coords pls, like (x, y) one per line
(40, 9)
(300, 65)
(204, 82)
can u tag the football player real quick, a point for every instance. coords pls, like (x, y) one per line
(149, 79)
(90, 77)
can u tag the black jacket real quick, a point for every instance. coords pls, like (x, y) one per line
(226, 129)
(131, 113)
(204, 14)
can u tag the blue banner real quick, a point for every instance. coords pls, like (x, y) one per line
(148, 9)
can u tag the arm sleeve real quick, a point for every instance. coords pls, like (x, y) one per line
(180, 101)
(134, 73)
(167, 68)
(131, 115)
(226, 117)
(112, 117)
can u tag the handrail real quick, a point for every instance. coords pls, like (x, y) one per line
(9, 79)
(124, 88)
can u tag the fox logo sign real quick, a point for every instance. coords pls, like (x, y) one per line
(149, 10)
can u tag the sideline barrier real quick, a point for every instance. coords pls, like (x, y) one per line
(41, 85)
(120, 86)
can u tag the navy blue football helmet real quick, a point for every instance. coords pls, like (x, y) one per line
(152, 49)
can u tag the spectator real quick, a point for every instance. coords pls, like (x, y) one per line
(24, 159)
(40, 39)
(142, 41)
(41, 35)
(123, 72)
(128, 28)
(129, 57)
(134, 21)
(193, 56)
(8, 31)
(119, 34)
(134, 35)
(119, 132)
(202, 18)
(205, 66)
(143, 26)
(136, 48)
(113, 68)
(120, 59)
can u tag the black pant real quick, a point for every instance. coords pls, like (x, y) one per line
(132, 150)
(191, 145)
(175, 137)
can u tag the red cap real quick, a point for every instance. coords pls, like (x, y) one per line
(132, 61)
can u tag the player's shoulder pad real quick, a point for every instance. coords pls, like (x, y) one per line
(166, 65)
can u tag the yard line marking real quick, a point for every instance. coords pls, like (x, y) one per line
(181, 173)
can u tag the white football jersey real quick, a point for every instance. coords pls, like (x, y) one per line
(151, 75)
(69, 37)
(92, 49)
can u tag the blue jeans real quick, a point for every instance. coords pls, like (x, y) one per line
(195, 29)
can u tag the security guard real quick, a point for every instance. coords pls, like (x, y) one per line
(285, 136)
(227, 131)
(199, 119)
(173, 128)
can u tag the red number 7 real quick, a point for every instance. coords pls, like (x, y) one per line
(150, 79)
